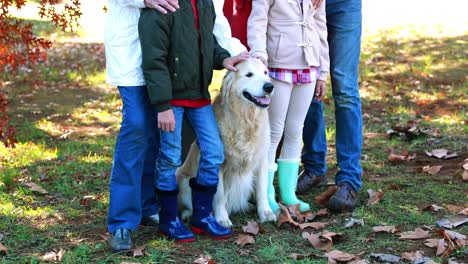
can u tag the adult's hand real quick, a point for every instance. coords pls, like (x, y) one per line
(320, 88)
(230, 63)
(166, 120)
(162, 5)
(317, 3)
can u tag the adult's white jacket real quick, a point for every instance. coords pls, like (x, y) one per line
(123, 51)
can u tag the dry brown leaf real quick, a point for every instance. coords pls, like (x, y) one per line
(340, 256)
(331, 235)
(322, 212)
(35, 188)
(314, 225)
(452, 222)
(438, 153)
(243, 240)
(138, 251)
(308, 216)
(398, 158)
(385, 229)
(359, 261)
(53, 256)
(296, 213)
(454, 208)
(433, 208)
(3, 249)
(318, 242)
(204, 259)
(462, 212)
(458, 239)
(412, 256)
(418, 233)
(441, 247)
(431, 242)
(285, 217)
(354, 222)
(322, 199)
(251, 228)
(374, 196)
(431, 169)
(465, 175)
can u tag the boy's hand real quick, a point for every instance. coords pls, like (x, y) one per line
(166, 120)
(162, 5)
(229, 63)
(320, 88)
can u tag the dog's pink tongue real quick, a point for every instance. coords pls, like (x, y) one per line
(264, 100)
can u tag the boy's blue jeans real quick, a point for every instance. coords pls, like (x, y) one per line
(344, 24)
(132, 194)
(211, 147)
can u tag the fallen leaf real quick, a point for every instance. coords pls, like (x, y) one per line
(314, 225)
(456, 238)
(385, 258)
(431, 169)
(204, 259)
(53, 256)
(3, 249)
(243, 240)
(412, 256)
(308, 216)
(438, 153)
(322, 212)
(296, 213)
(462, 212)
(432, 242)
(452, 222)
(359, 261)
(285, 216)
(385, 229)
(454, 208)
(297, 256)
(433, 208)
(398, 158)
(35, 188)
(418, 233)
(354, 222)
(441, 247)
(424, 260)
(318, 242)
(374, 197)
(251, 228)
(340, 256)
(138, 251)
(465, 175)
(322, 199)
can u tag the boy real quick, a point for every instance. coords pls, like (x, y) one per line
(179, 55)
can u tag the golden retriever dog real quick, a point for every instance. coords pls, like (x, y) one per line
(242, 116)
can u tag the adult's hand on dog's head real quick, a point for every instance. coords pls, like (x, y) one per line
(230, 63)
(320, 88)
(166, 120)
(162, 5)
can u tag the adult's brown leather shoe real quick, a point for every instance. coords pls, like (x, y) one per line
(344, 199)
(307, 181)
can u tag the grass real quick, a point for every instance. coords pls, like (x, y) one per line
(67, 120)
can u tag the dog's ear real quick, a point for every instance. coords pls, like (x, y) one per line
(227, 86)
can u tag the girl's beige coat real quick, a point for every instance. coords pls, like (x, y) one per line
(289, 35)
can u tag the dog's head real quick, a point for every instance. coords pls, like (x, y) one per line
(250, 82)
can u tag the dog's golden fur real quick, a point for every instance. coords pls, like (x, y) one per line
(245, 131)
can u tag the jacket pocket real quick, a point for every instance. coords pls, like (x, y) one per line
(279, 45)
(176, 73)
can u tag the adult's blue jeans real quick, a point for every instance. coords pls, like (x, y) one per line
(203, 122)
(344, 24)
(132, 194)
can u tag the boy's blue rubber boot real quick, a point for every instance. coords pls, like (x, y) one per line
(271, 189)
(169, 222)
(203, 221)
(288, 172)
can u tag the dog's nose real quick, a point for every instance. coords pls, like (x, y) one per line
(268, 87)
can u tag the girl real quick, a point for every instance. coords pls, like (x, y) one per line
(290, 37)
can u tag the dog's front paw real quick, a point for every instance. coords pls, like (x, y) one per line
(266, 216)
(223, 219)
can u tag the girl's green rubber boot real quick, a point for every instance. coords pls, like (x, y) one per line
(288, 172)
(271, 189)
